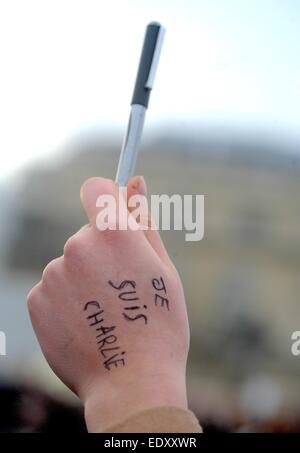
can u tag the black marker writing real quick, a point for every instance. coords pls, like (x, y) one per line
(162, 301)
(130, 296)
(159, 286)
(114, 361)
(136, 317)
(127, 297)
(105, 339)
(123, 284)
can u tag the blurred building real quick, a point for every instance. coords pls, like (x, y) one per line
(241, 281)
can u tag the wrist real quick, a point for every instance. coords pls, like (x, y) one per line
(112, 402)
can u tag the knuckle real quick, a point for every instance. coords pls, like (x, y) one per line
(33, 297)
(109, 234)
(114, 238)
(52, 270)
(72, 249)
(76, 250)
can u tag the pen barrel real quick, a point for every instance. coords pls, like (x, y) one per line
(149, 59)
(130, 145)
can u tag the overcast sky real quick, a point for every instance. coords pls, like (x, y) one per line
(70, 65)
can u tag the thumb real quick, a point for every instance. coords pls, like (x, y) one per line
(90, 192)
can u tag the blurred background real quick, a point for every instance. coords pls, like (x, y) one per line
(223, 121)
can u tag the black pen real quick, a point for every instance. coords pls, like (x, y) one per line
(143, 85)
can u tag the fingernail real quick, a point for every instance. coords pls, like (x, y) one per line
(142, 187)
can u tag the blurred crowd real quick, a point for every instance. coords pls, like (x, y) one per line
(25, 409)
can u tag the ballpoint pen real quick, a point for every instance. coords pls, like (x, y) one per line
(140, 99)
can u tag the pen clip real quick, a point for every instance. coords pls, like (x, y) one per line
(155, 58)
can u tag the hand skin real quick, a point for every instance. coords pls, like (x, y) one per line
(155, 354)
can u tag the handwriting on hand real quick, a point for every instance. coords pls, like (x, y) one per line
(107, 341)
(132, 312)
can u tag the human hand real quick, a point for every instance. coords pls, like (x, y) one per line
(111, 319)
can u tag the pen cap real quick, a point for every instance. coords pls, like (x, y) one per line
(148, 64)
